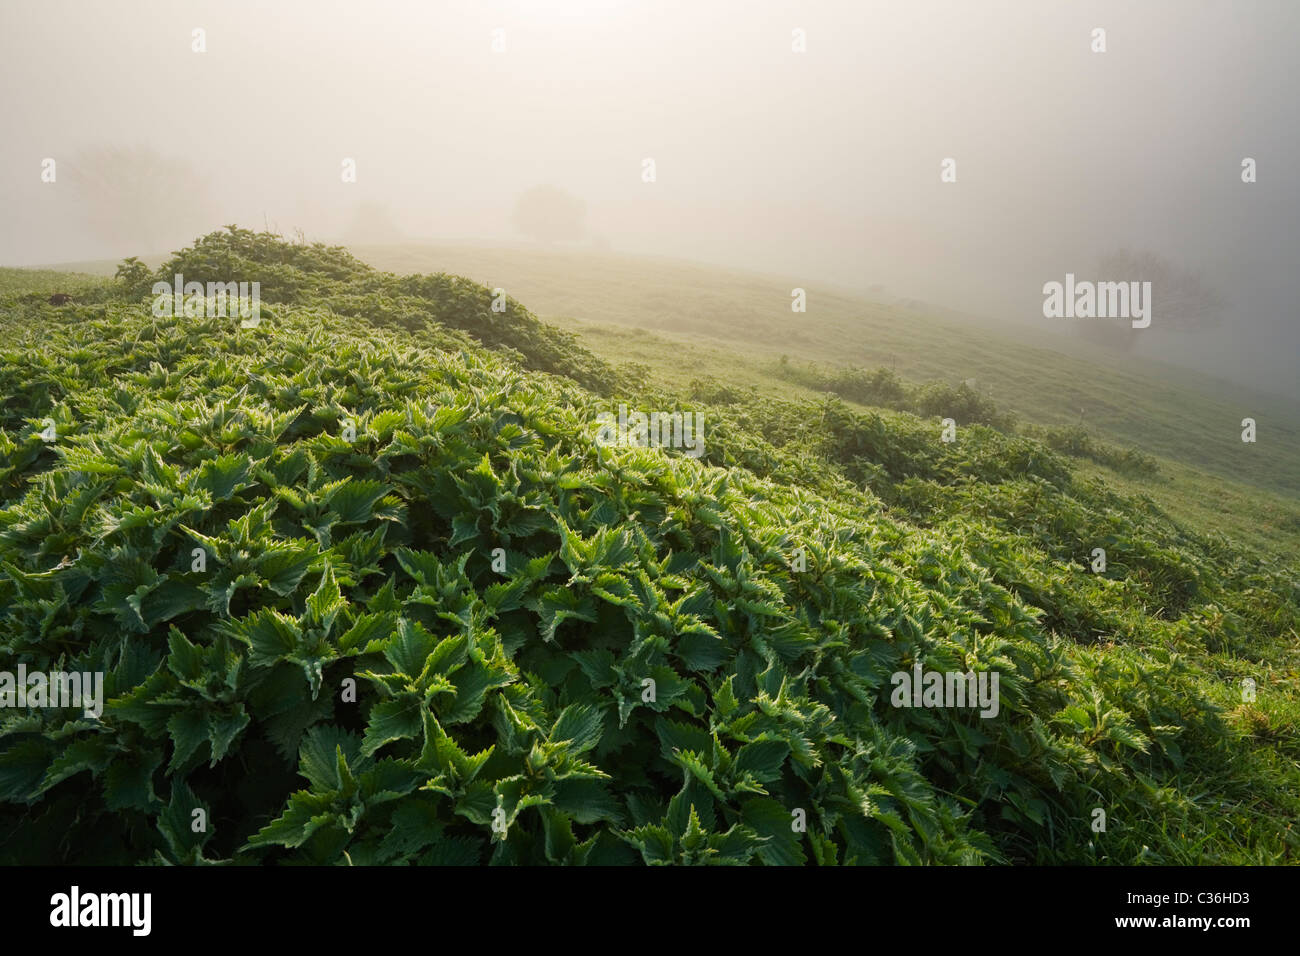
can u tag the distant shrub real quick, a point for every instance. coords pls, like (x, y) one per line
(1078, 443)
(131, 272)
(882, 388)
(715, 393)
(962, 404)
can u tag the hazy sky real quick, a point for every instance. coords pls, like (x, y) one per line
(818, 165)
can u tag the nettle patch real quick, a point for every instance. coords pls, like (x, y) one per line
(373, 594)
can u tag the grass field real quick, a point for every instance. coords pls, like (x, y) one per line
(390, 480)
(688, 322)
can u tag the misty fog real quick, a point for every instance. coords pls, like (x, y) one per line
(821, 165)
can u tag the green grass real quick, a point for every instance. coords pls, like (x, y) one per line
(1172, 412)
(688, 322)
(49, 281)
(522, 691)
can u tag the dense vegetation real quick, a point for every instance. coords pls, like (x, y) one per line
(689, 321)
(347, 471)
(962, 403)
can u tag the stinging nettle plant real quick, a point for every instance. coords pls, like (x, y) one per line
(648, 679)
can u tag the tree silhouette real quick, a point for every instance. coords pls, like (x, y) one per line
(550, 214)
(1181, 300)
(372, 223)
(136, 197)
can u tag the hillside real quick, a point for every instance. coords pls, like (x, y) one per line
(1045, 376)
(373, 550)
(687, 322)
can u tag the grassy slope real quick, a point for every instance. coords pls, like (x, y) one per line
(694, 322)
(1129, 643)
(49, 281)
(689, 322)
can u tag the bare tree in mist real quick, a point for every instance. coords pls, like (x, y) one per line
(550, 214)
(372, 222)
(1181, 300)
(139, 200)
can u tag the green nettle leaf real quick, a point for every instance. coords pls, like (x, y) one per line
(270, 635)
(389, 780)
(688, 839)
(479, 485)
(91, 754)
(178, 825)
(557, 605)
(769, 819)
(725, 698)
(223, 729)
(411, 647)
(442, 755)
(579, 726)
(472, 682)
(23, 763)
(397, 718)
(369, 634)
(131, 583)
(171, 598)
(128, 781)
(354, 501)
(323, 749)
(184, 659)
(656, 844)
(188, 729)
(694, 765)
(587, 801)
(345, 783)
(224, 477)
(415, 824)
(454, 851)
(273, 636)
(325, 603)
(307, 812)
(464, 527)
(674, 735)
(283, 566)
(763, 759)
(290, 714)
